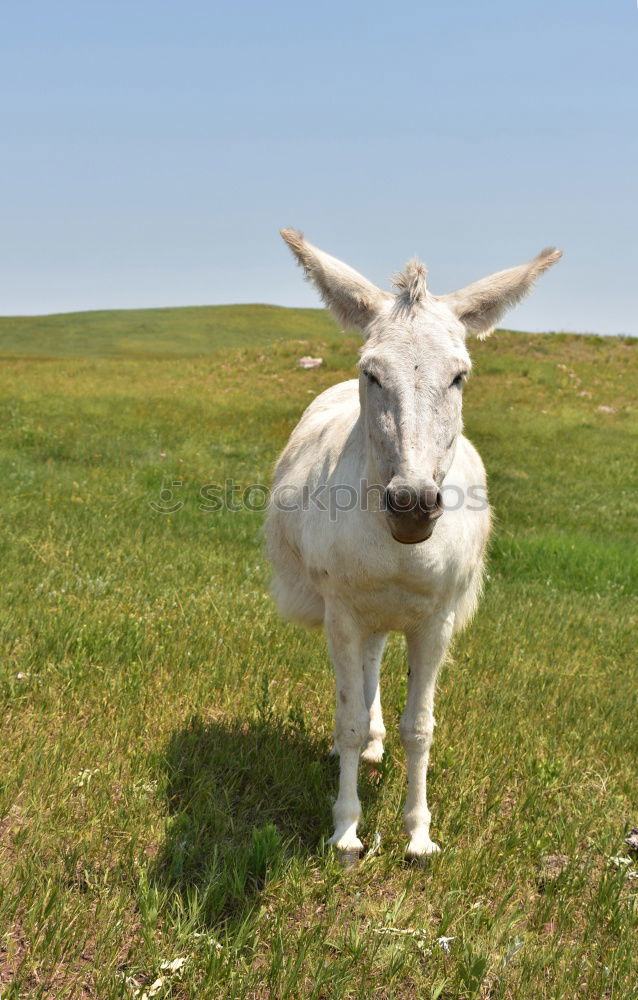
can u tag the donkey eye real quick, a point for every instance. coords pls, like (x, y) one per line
(372, 378)
(457, 383)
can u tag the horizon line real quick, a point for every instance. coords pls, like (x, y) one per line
(268, 305)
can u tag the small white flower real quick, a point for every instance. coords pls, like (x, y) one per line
(444, 943)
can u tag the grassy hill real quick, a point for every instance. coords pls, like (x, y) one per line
(165, 786)
(180, 332)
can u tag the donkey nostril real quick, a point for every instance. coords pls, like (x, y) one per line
(404, 498)
(399, 499)
(425, 500)
(436, 509)
(432, 502)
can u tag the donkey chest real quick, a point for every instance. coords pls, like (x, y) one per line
(390, 584)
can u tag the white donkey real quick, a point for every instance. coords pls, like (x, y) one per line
(372, 468)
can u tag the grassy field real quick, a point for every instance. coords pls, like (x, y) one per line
(165, 786)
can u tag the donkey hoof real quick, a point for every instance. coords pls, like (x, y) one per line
(420, 849)
(373, 753)
(348, 848)
(349, 858)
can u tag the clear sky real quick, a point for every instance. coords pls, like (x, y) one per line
(152, 150)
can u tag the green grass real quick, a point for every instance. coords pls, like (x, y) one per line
(151, 333)
(165, 786)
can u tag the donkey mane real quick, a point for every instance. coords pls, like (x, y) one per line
(410, 284)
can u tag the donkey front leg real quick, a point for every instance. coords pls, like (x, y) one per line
(426, 649)
(373, 651)
(346, 644)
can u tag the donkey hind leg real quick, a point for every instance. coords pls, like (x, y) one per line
(346, 645)
(372, 654)
(426, 649)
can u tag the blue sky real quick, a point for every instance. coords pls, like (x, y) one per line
(152, 150)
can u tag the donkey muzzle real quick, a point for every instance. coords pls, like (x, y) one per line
(412, 509)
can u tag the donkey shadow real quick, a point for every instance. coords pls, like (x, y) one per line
(243, 797)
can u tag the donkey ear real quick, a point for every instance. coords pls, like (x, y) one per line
(481, 305)
(352, 299)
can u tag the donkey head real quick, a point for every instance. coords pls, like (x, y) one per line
(412, 369)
